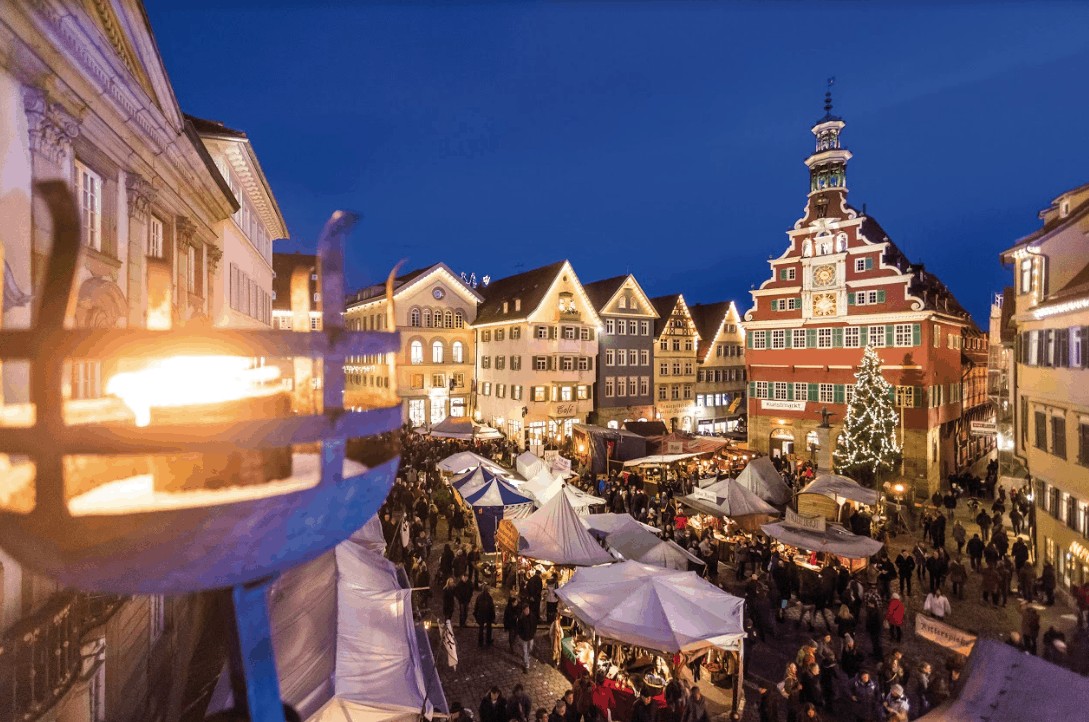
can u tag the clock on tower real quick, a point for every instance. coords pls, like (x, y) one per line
(824, 304)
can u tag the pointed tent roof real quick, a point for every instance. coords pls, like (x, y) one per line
(730, 499)
(602, 525)
(554, 534)
(762, 478)
(476, 479)
(840, 487)
(544, 486)
(654, 608)
(467, 461)
(529, 465)
(636, 543)
(495, 492)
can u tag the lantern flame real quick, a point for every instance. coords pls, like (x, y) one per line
(189, 381)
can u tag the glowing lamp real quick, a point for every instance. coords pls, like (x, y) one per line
(205, 467)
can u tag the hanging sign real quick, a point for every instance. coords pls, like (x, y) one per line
(675, 447)
(561, 465)
(809, 523)
(704, 495)
(983, 428)
(941, 633)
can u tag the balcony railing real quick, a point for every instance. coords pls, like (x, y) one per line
(40, 655)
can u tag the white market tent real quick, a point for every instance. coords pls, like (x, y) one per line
(346, 642)
(840, 488)
(727, 498)
(454, 427)
(834, 539)
(554, 534)
(602, 525)
(658, 459)
(762, 478)
(474, 480)
(1003, 683)
(637, 544)
(464, 461)
(654, 608)
(543, 487)
(530, 465)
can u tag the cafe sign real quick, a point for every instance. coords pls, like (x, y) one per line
(809, 523)
(565, 409)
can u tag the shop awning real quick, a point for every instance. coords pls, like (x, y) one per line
(839, 488)
(834, 539)
(654, 608)
(465, 461)
(658, 459)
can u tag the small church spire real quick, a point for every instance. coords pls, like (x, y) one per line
(828, 96)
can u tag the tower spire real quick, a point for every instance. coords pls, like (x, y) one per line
(828, 96)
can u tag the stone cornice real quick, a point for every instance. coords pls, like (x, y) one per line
(52, 129)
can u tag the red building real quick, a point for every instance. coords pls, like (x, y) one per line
(839, 286)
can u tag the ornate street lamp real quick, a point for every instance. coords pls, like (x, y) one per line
(215, 509)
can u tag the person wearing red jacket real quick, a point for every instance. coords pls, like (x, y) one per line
(894, 615)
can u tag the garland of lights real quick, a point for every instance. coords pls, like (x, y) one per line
(868, 444)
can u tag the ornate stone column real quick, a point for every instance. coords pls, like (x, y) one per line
(185, 231)
(140, 194)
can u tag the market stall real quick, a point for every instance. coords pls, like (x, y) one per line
(729, 499)
(462, 427)
(811, 540)
(762, 478)
(601, 525)
(491, 503)
(834, 496)
(636, 618)
(635, 543)
(465, 461)
(553, 534)
(597, 447)
(474, 479)
(544, 486)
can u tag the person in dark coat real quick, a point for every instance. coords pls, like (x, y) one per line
(644, 709)
(768, 704)
(510, 621)
(905, 568)
(975, 551)
(559, 711)
(493, 708)
(449, 596)
(463, 592)
(534, 590)
(696, 708)
(519, 705)
(865, 698)
(484, 614)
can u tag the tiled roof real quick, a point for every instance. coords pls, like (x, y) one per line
(528, 287)
(664, 305)
(1076, 286)
(601, 291)
(708, 317)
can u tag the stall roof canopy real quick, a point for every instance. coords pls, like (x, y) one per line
(341, 710)
(834, 539)
(470, 481)
(554, 534)
(762, 478)
(601, 525)
(646, 428)
(658, 459)
(592, 430)
(530, 465)
(1004, 684)
(496, 492)
(455, 427)
(840, 487)
(636, 543)
(654, 608)
(466, 460)
(544, 486)
(682, 443)
(730, 499)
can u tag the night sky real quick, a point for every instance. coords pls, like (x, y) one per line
(661, 138)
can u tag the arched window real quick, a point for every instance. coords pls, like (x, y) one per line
(448, 319)
(459, 320)
(436, 352)
(458, 352)
(416, 352)
(427, 318)
(414, 318)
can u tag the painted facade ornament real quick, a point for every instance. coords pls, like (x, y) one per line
(52, 128)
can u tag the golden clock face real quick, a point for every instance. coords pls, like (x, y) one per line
(824, 276)
(824, 304)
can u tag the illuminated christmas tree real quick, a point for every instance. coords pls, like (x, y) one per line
(868, 447)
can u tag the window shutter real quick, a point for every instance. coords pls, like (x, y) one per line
(890, 335)
(869, 266)
(789, 333)
(748, 339)
(892, 395)
(880, 296)
(850, 299)
(551, 363)
(811, 338)
(864, 336)
(918, 400)
(552, 332)
(838, 393)
(752, 389)
(916, 334)
(812, 392)
(837, 337)
(590, 361)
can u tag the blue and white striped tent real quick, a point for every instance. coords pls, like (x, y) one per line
(474, 480)
(494, 500)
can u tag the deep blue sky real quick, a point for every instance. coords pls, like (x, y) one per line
(661, 138)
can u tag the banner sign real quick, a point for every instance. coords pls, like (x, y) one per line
(561, 465)
(675, 447)
(983, 428)
(941, 633)
(810, 523)
(704, 495)
(506, 537)
(550, 455)
(772, 405)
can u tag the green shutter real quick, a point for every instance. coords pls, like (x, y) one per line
(850, 299)
(890, 335)
(752, 389)
(812, 392)
(788, 333)
(838, 394)
(863, 336)
(811, 338)
(837, 337)
(748, 339)
(869, 264)
(916, 334)
(892, 395)
(790, 392)
(880, 296)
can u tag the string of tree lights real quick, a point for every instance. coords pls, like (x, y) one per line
(868, 447)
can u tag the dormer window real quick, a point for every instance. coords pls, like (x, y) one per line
(505, 308)
(517, 305)
(1026, 275)
(1064, 208)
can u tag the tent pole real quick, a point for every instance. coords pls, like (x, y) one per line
(593, 662)
(738, 679)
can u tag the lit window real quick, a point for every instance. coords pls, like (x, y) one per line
(436, 352)
(458, 352)
(89, 197)
(824, 338)
(905, 396)
(155, 238)
(416, 352)
(414, 318)
(779, 391)
(851, 337)
(876, 336)
(826, 393)
(1026, 275)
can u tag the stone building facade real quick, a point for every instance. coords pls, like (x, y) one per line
(720, 369)
(675, 338)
